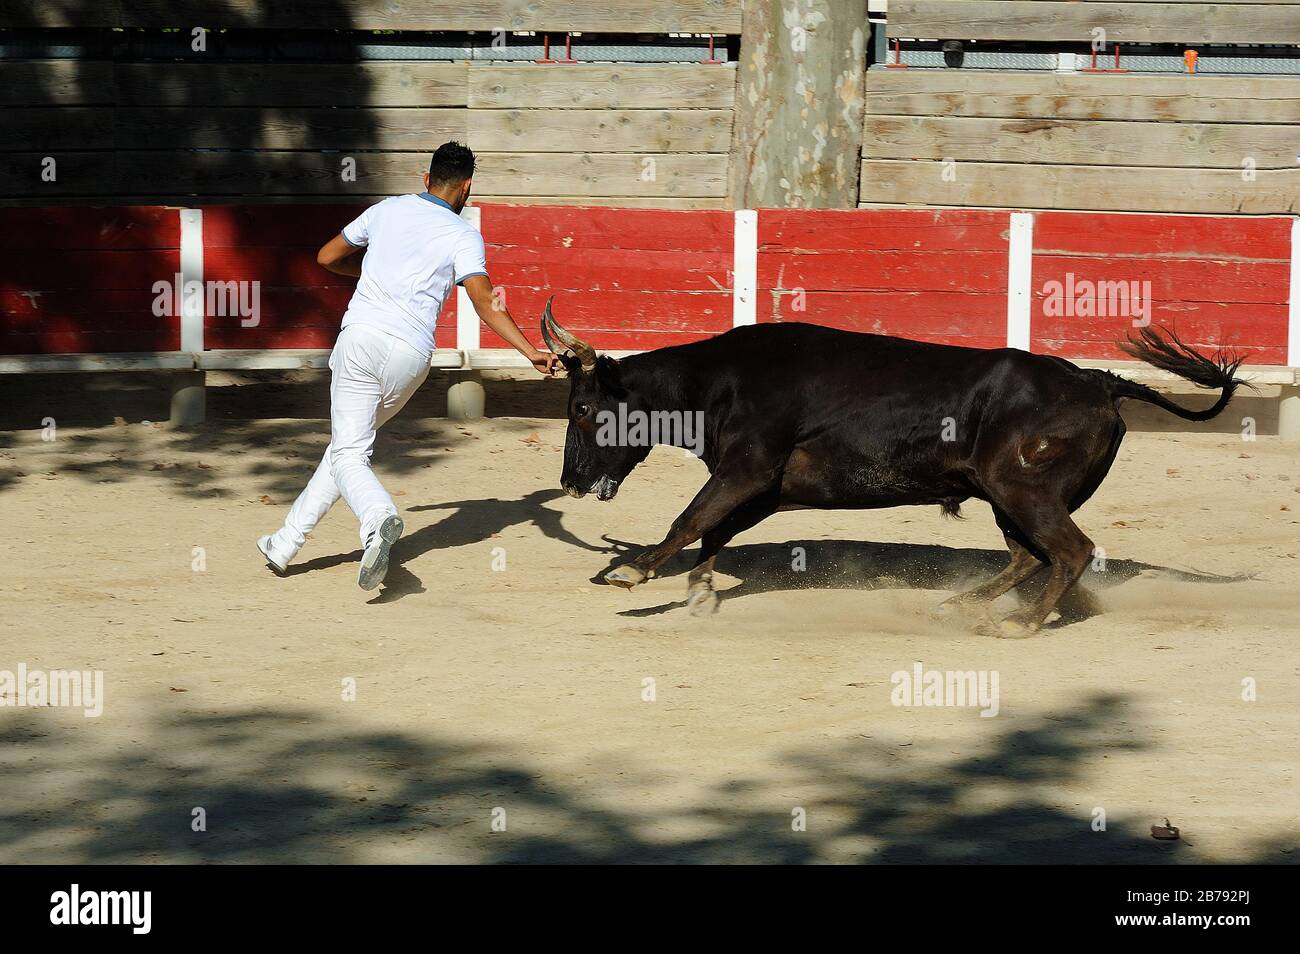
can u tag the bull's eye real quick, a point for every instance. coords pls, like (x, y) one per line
(581, 410)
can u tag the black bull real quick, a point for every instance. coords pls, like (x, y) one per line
(798, 416)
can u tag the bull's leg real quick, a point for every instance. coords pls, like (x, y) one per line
(1068, 551)
(724, 493)
(701, 599)
(1023, 565)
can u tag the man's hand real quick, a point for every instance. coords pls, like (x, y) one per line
(544, 362)
(495, 315)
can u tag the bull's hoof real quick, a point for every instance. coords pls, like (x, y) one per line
(702, 601)
(1006, 629)
(626, 576)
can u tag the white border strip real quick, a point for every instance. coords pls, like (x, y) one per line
(467, 323)
(191, 271)
(1293, 315)
(1020, 271)
(744, 269)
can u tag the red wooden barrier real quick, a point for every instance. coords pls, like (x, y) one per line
(1218, 281)
(927, 274)
(82, 280)
(631, 279)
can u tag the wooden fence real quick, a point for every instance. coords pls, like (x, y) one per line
(1125, 142)
(145, 131)
(634, 279)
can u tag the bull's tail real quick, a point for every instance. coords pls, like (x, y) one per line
(1166, 352)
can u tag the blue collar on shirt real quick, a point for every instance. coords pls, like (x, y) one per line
(437, 201)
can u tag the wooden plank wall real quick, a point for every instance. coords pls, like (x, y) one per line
(608, 16)
(624, 134)
(193, 132)
(637, 133)
(1136, 143)
(1029, 21)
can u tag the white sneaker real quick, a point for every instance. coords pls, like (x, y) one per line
(374, 562)
(276, 560)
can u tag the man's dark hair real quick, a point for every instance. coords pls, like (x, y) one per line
(452, 164)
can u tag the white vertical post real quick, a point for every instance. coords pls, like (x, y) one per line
(744, 269)
(191, 271)
(1020, 268)
(188, 398)
(1293, 315)
(467, 323)
(1288, 412)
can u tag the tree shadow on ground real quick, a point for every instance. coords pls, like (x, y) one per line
(293, 787)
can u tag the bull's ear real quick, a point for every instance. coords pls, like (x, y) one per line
(571, 363)
(610, 376)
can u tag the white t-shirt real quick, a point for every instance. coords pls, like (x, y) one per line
(417, 250)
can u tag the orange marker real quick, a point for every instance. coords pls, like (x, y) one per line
(1189, 57)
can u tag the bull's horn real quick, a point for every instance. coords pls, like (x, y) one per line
(552, 332)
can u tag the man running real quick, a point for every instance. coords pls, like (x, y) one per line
(417, 248)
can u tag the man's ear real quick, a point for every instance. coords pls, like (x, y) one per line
(426, 182)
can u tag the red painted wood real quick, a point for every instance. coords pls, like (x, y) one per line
(643, 278)
(575, 227)
(1216, 281)
(886, 271)
(591, 270)
(124, 227)
(1163, 236)
(924, 315)
(43, 269)
(273, 267)
(277, 226)
(878, 230)
(933, 274)
(60, 337)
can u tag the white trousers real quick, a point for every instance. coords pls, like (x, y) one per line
(372, 376)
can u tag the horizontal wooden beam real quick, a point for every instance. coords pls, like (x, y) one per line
(1016, 95)
(56, 82)
(210, 174)
(1100, 188)
(1081, 142)
(281, 85)
(381, 128)
(1037, 21)
(601, 86)
(607, 16)
(599, 130)
(616, 201)
(196, 176)
(588, 174)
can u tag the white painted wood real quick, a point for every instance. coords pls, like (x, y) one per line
(744, 269)
(1019, 278)
(60, 363)
(1293, 314)
(467, 321)
(191, 271)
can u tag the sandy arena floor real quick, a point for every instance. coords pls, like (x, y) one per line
(524, 688)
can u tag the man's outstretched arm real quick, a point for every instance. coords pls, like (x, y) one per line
(499, 320)
(340, 257)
